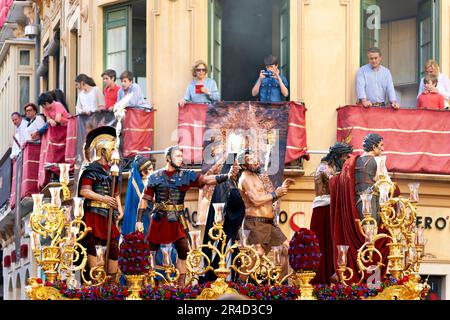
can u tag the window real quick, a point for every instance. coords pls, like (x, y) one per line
(24, 57)
(24, 94)
(116, 39)
(126, 40)
(241, 34)
(406, 33)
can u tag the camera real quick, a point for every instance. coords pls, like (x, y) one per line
(268, 73)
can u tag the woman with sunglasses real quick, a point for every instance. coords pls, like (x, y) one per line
(202, 89)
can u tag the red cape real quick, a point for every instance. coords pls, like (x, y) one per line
(343, 213)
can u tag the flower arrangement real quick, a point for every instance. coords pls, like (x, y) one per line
(266, 292)
(343, 292)
(355, 292)
(134, 254)
(167, 292)
(107, 292)
(304, 251)
(261, 292)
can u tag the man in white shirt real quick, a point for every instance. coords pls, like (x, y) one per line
(35, 121)
(21, 135)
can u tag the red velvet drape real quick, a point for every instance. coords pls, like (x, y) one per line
(137, 131)
(191, 129)
(30, 169)
(320, 224)
(71, 141)
(53, 149)
(296, 145)
(415, 140)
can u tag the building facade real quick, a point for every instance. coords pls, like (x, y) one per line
(320, 45)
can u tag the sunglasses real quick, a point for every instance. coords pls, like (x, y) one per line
(29, 110)
(200, 70)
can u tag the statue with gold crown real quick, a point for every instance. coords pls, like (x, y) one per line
(99, 188)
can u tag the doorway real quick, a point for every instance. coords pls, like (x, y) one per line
(242, 33)
(406, 31)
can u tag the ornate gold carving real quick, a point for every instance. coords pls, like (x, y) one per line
(135, 286)
(303, 281)
(38, 291)
(411, 290)
(218, 288)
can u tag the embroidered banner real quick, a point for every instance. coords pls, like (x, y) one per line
(234, 126)
(415, 140)
(192, 124)
(260, 127)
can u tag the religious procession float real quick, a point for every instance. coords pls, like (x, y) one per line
(382, 263)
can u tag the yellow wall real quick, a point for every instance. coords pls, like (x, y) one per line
(177, 36)
(328, 60)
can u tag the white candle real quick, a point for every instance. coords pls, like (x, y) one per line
(36, 241)
(64, 173)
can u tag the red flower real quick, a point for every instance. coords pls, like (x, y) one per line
(304, 251)
(39, 280)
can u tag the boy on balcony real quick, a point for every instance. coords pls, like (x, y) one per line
(111, 88)
(430, 98)
(271, 86)
(138, 99)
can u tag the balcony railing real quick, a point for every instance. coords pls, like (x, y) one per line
(64, 144)
(415, 140)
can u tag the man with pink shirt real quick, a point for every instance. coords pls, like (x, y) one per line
(54, 111)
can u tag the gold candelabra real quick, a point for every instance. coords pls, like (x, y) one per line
(64, 253)
(171, 273)
(198, 263)
(405, 240)
(269, 270)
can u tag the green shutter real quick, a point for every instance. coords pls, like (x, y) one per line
(117, 38)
